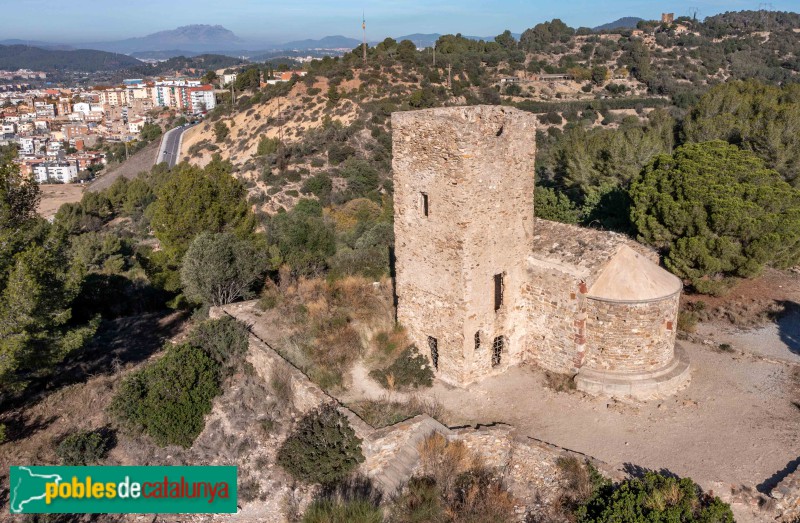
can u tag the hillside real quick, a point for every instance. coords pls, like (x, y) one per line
(627, 22)
(88, 60)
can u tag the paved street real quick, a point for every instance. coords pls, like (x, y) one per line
(170, 145)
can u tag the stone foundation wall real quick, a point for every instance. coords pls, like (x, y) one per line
(630, 337)
(787, 494)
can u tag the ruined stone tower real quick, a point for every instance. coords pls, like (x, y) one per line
(482, 285)
(464, 179)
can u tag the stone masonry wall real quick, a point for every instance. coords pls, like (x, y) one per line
(787, 494)
(476, 167)
(630, 337)
(552, 299)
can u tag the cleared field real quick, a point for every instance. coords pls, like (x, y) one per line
(55, 195)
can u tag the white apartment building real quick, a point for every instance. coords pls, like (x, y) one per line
(49, 172)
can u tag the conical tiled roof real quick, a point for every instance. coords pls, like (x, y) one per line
(631, 277)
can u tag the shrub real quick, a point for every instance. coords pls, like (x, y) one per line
(82, 448)
(322, 449)
(221, 131)
(169, 399)
(337, 153)
(348, 511)
(420, 502)
(267, 146)
(654, 498)
(225, 340)
(410, 369)
(468, 491)
(579, 482)
(3, 433)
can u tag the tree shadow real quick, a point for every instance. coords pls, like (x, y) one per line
(20, 426)
(117, 343)
(789, 325)
(354, 488)
(637, 471)
(766, 486)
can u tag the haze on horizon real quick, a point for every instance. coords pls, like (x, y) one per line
(83, 21)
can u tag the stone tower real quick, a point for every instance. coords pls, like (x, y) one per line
(464, 179)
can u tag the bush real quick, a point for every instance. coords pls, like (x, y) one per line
(420, 502)
(322, 449)
(225, 340)
(337, 153)
(349, 511)
(82, 448)
(221, 131)
(169, 399)
(267, 146)
(3, 433)
(410, 369)
(654, 498)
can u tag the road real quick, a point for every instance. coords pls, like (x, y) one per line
(170, 146)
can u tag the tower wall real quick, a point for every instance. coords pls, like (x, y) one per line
(475, 168)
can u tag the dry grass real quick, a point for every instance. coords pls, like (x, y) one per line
(559, 382)
(333, 323)
(385, 412)
(281, 385)
(469, 490)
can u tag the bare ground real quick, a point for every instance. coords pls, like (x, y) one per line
(57, 194)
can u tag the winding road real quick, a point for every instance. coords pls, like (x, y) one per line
(170, 149)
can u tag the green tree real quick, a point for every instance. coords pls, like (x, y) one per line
(219, 268)
(323, 448)
(150, 132)
(717, 212)
(303, 238)
(556, 206)
(221, 131)
(193, 200)
(754, 116)
(37, 286)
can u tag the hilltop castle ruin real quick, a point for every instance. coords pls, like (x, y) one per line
(482, 285)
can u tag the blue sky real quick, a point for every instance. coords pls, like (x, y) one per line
(276, 21)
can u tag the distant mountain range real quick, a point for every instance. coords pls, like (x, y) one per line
(192, 40)
(628, 22)
(195, 38)
(13, 57)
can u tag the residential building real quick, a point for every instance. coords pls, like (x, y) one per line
(49, 172)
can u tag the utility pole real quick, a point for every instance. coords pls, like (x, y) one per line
(364, 44)
(434, 54)
(449, 76)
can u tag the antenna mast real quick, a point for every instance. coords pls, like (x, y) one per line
(364, 44)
